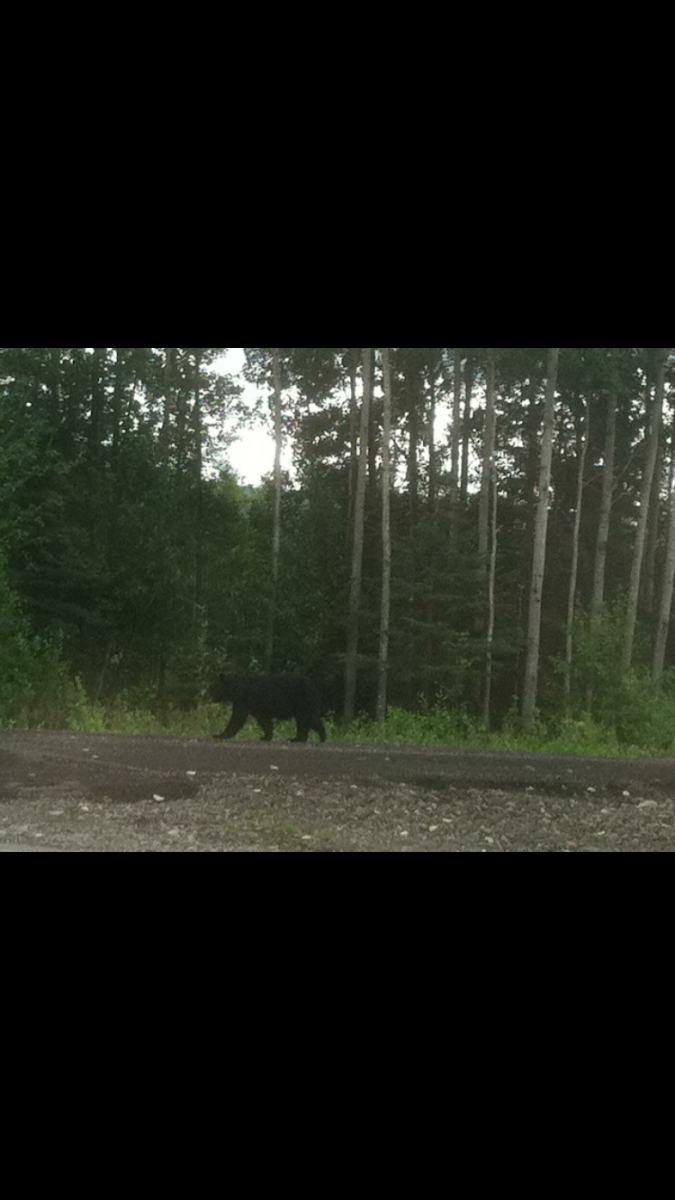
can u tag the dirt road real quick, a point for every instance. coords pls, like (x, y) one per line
(65, 792)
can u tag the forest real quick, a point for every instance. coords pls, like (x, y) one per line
(473, 545)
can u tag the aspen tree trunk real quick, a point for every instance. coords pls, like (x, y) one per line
(605, 513)
(199, 479)
(165, 435)
(353, 439)
(456, 442)
(666, 600)
(433, 458)
(640, 539)
(653, 524)
(487, 702)
(383, 671)
(540, 539)
(488, 460)
(55, 354)
(96, 434)
(351, 668)
(572, 599)
(276, 528)
(466, 433)
(118, 400)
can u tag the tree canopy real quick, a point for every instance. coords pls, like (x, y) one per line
(134, 562)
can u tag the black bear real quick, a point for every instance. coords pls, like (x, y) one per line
(270, 697)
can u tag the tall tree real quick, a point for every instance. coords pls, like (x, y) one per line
(353, 353)
(433, 452)
(56, 366)
(651, 452)
(118, 399)
(414, 389)
(198, 429)
(351, 667)
(653, 533)
(582, 452)
(456, 441)
(383, 670)
(600, 568)
(466, 427)
(540, 541)
(276, 530)
(488, 463)
(492, 610)
(96, 436)
(668, 581)
(169, 404)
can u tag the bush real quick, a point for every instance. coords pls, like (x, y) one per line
(16, 658)
(35, 685)
(627, 708)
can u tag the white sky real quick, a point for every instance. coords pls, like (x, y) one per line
(252, 455)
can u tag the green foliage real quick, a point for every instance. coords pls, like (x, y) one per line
(139, 566)
(597, 662)
(404, 728)
(644, 716)
(629, 710)
(457, 730)
(36, 689)
(16, 655)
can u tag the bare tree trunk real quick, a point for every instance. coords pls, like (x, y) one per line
(455, 444)
(482, 614)
(276, 531)
(373, 439)
(55, 356)
(165, 435)
(488, 461)
(97, 400)
(487, 702)
(353, 438)
(118, 399)
(600, 568)
(572, 600)
(351, 667)
(466, 433)
(605, 512)
(653, 530)
(383, 672)
(413, 458)
(666, 603)
(433, 460)
(428, 602)
(164, 456)
(181, 397)
(540, 539)
(199, 479)
(96, 435)
(648, 479)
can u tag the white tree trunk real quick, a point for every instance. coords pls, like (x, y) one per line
(351, 669)
(487, 704)
(276, 530)
(666, 603)
(488, 460)
(456, 444)
(641, 536)
(383, 670)
(605, 513)
(572, 599)
(540, 540)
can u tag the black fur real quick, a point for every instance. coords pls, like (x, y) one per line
(269, 698)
